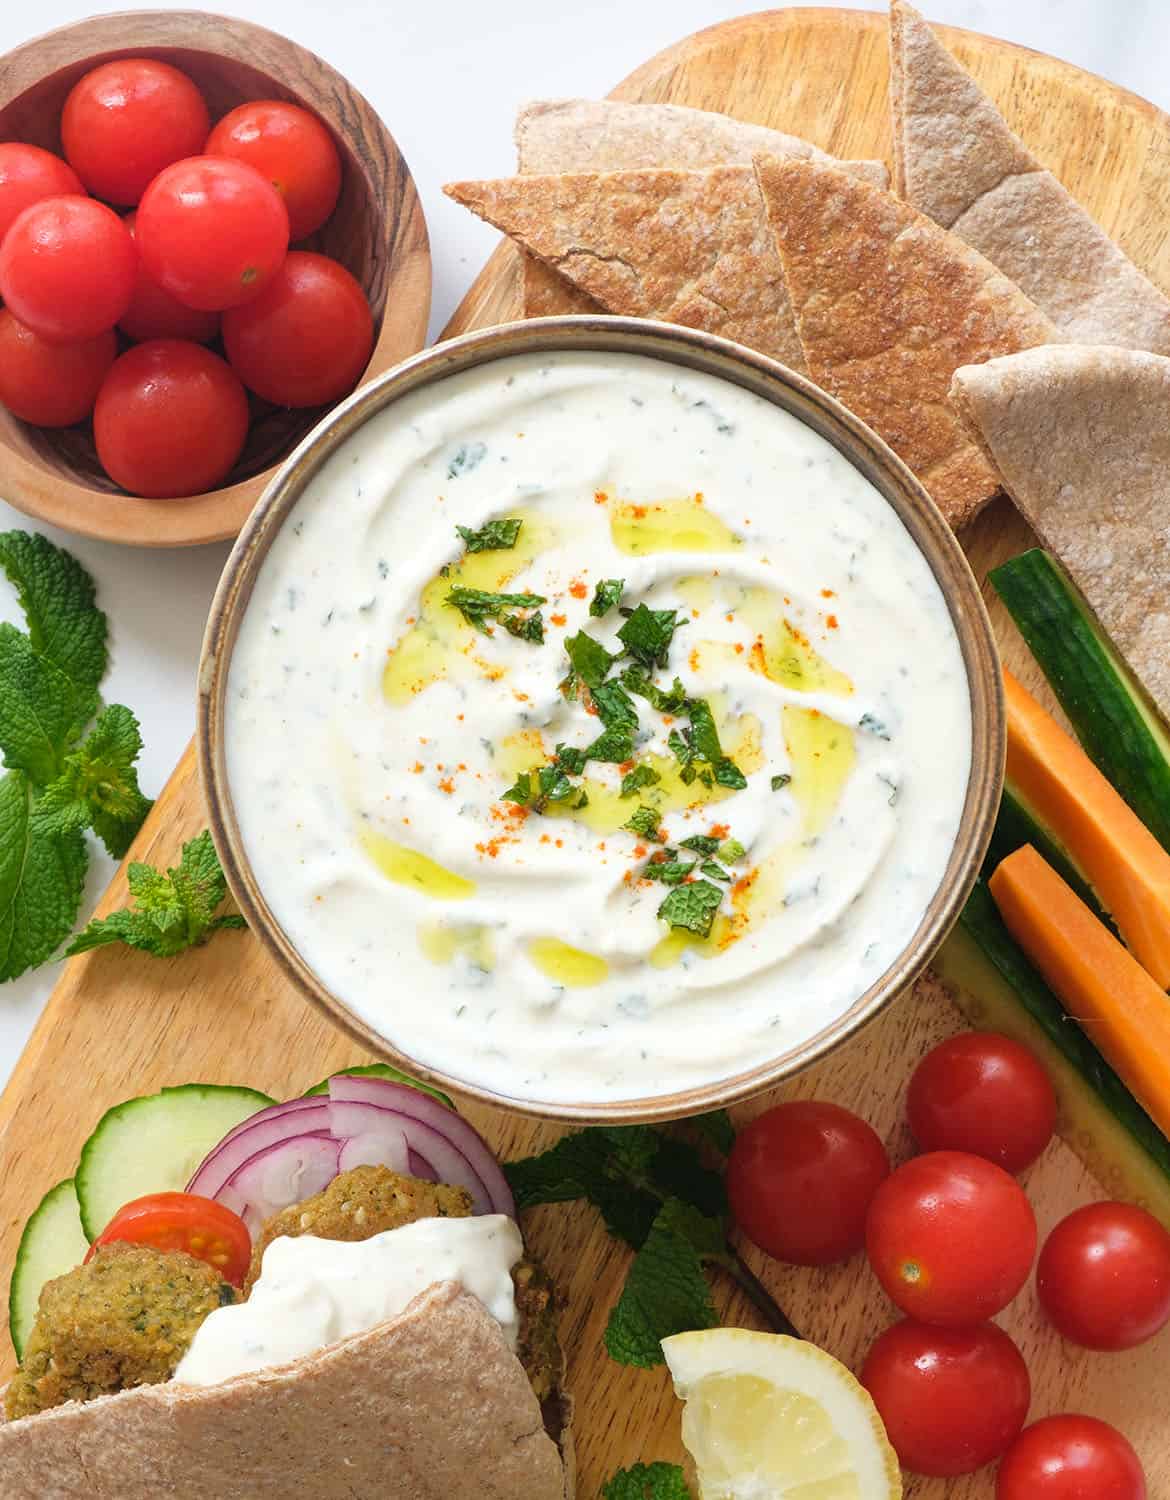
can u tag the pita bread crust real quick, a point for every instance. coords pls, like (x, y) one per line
(687, 247)
(605, 135)
(431, 1405)
(888, 306)
(1082, 438)
(956, 160)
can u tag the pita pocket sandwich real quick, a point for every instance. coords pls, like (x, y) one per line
(387, 1343)
(606, 135)
(687, 247)
(888, 306)
(1081, 437)
(956, 160)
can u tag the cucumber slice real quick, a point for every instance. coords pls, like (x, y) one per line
(383, 1070)
(1116, 724)
(53, 1242)
(1016, 825)
(998, 989)
(154, 1144)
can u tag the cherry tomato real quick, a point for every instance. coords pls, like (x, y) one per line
(51, 385)
(1104, 1276)
(983, 1093)
(128, 119)
(293, 149)
(306, 339)
(28, 174)
(67, 268)
(171, 419)
(800, 1179)
(952, 1399)
(184, 1221)
(154, 314)
(951, 1238)
(213, 232)
(1071, 1458)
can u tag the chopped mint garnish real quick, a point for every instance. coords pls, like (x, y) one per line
(701, 843)
(781, 781)
(644, 821)
(525, 627)
(692, 907)
(730, 850)
(647, 634)
(495, 536)
(699, 752)
(589, 659)
(672, 702)
(607, 593)
(617, 713)
(639, 777)
(668, 871)
(570, 759)
(716, 872)
(536, 789)
(477, 606)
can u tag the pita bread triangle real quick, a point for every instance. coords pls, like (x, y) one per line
(888, 306)
(956, 160)
(1081, 437)
(687, 247)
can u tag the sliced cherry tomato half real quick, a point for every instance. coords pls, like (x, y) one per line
(184, 1221)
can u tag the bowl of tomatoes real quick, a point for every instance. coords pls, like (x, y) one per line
(207, 238)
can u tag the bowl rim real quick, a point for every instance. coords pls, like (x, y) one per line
(791, 392)
(58, 499)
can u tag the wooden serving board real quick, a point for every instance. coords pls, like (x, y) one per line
(120, 1024)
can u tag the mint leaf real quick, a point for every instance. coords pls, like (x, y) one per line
(607, 593)
(701, 843)
(589, 659)
(477, 606)
(713, 871)
(525, 627)
(495, 536)
(781, 781)
(692, 906)
(99, 788)
(657, 1481)
(668, 871)
(699, 746)
(536, 789)
(42, 873)
(672, 702)
(666, 1291)
(731, 850)
(728, 774)
(647, 634)
(644, 821)
(41, 711)
(571, 759)
(615, 708)
(639, 777)
(168, 913)
(57, 596)
(586, 1165)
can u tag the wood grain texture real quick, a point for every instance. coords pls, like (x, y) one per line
(377, 231)
(122, 1024)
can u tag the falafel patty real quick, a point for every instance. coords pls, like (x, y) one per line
(124, 1319)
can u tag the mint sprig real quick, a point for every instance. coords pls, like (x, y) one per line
(494, 536)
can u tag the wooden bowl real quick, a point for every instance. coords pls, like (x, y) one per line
(377, 230)
(810, 405)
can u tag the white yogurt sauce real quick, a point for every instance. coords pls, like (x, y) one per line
(371, 732)
(312, 1292)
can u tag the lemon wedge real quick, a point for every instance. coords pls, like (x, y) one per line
(774, 1418)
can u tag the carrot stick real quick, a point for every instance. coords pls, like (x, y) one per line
(1101, 985)
(1116, 853)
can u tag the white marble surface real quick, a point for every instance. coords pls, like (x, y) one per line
(447, 76)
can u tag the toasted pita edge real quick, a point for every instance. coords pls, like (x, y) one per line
(134, 1424)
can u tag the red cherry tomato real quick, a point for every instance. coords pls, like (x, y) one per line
(170, 420)
(184, 1221)
(293, 149)
(306, 339)
(154, 314)
(67, 268)
(213, 232)
(800, 1179)
(28, 174)
(1071, 1458)
(983, 1093)
(128, 119)
(51, 385)
(952, 1399)
(1104, 1276)
(951, 1238)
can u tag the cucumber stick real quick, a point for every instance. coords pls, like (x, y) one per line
(383, 1070)
(53, 1242)
(154, 1144)
(997, 989)
(1110, 714)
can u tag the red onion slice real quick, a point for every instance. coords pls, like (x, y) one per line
(281, 1174)
(447, 1163)
(268, 1127)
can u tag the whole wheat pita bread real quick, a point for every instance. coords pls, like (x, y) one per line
(1081, 437)
(888, 306)
(606, 135)
(956, 160)
(688, 247)
(431, 1405)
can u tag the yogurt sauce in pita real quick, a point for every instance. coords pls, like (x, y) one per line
(373, 732)
(312, 1292)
